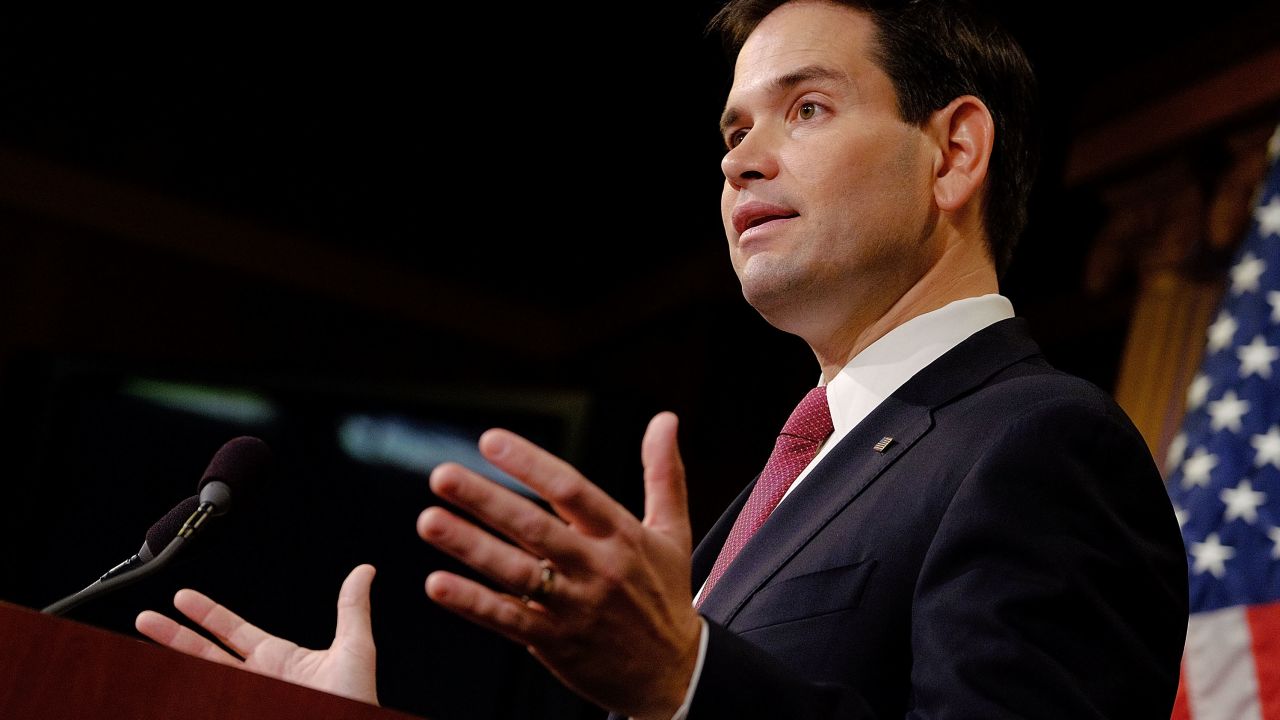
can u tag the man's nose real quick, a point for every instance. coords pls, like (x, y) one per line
(753, 158)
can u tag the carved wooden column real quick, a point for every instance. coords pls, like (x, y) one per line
(1177, 225)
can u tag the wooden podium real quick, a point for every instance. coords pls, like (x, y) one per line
(51, 668)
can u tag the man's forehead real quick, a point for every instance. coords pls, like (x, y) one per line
(803, 35)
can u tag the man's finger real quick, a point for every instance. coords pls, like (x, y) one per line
(666, 501)
(500, 613)
(170, 634)
(225, 625)
(505, 564)
(516, 517)
(589, 508)
(353, 607)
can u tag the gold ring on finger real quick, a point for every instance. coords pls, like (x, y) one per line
(546, 578)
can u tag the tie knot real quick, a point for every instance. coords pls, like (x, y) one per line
(811, 420)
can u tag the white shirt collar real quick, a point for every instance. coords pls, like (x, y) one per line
(886, 364)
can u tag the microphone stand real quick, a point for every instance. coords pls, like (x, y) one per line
(102, 587)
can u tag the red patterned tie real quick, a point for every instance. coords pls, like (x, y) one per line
(808, 427)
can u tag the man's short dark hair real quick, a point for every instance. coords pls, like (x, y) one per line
(933, 52)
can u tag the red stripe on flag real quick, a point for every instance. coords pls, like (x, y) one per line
(1181, 706)
(1264, 628)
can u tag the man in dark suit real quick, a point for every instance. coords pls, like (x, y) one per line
(947, 528)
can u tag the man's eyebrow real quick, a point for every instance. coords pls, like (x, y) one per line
(786, 82)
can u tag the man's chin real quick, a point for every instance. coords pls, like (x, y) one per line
(780, 302)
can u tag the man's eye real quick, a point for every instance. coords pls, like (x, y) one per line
(807, 111)
(735, 138)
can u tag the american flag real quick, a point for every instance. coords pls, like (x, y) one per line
(1225, 486)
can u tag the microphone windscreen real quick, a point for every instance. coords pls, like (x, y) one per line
(166, 528)
(241, 463)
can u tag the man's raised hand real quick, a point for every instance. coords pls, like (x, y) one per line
(616, 622)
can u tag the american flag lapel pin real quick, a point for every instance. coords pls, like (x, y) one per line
(884, 443)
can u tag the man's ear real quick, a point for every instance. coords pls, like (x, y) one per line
(964, 133)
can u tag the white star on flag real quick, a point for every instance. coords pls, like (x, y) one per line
(1242, 502)
(1226, 413)
(1181, 515)
(1245, 274)
(1256, 357)
(1274, 534)
(1268, 447)
(1273, 299)
(1196, 469)
(1268, 217)
(1177, 448)
(1222, 331)
(1198, 391)
(1211, 555)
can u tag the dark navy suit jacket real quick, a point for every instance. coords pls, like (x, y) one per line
(1012, 553)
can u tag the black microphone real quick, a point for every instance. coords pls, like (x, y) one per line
(158, 537)
(232, 472)
(166, 529)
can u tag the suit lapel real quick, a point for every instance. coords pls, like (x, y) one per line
(850, 467)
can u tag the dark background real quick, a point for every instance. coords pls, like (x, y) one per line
(454, 216)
